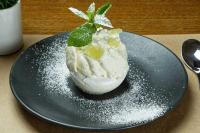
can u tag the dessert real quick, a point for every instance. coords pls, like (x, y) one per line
(95, 56)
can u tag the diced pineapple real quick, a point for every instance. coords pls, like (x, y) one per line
(94, 51)
(113, 42)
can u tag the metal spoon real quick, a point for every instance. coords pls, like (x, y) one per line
(191, 55)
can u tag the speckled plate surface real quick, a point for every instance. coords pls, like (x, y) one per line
(155, 83)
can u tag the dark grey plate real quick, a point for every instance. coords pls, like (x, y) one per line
(154, 85)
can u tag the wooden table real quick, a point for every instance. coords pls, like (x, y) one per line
(185, 118)
(140, 16)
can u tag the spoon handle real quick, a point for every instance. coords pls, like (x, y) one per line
(198, 75)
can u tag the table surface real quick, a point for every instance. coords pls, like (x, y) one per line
(184, 118)
(140, 16)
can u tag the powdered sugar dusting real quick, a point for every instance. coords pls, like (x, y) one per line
(143, 113)
(51, 67)
(134, 102)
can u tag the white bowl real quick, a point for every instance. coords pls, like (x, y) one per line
(10, 29)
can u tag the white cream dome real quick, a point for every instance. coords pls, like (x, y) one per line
(101, 66)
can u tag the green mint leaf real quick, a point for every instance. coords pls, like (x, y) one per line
(91, 17)
(79, 37)
(102, 20)
(90, 12)
(91, 8)
(82, 36)
(103, 9)
(79, 13)
(90, 27)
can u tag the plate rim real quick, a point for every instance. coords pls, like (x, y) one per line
(42, 117)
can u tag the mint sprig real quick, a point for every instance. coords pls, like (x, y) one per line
(82, 35)
(104, 8)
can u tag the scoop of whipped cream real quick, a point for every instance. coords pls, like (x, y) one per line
(101, 66)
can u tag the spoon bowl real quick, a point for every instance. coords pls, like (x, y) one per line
(191, 55)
